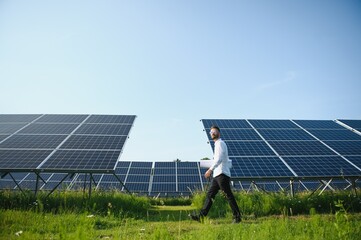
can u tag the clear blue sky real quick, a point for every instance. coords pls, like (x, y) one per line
(173, 63)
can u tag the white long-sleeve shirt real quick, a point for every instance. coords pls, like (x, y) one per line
(220, 158)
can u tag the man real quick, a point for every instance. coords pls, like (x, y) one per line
(221, 178)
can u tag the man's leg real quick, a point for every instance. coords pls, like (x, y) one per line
(224, 183)
(212, 192)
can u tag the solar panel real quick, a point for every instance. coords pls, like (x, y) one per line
(2, 137)
(24, 160)
(251, 148)
(68, 160)
(238, 134)
(32, 141)
(104, 129)
(285, 134)
(322, 166)
(355, 124)
(225, 123)
(9, 128)
(117, 119)
(355, 160)
(61, 118)
(300, 148)
(18, 118)
(94, 142)
(272, 124)
(318, 124)
(346, 147)
(248, 167)
(335, 134)
(46, 128)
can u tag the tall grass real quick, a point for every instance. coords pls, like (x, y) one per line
(101, 203)
(261, 204)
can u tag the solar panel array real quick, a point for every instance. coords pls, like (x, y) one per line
(150, 178)
(290, 148)
(62, 143)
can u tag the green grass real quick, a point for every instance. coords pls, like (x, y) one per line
(113, 215)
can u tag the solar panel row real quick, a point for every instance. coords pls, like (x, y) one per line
(289, 148)
(62, 143)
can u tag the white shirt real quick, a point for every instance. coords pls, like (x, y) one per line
(221, 164)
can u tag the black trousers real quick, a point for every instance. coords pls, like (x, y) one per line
(221, 182)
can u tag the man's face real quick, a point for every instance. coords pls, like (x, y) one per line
(214, 133)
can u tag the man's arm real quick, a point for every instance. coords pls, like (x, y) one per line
(217, 159)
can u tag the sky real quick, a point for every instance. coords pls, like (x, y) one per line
(172, 63)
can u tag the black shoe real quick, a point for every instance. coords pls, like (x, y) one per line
(236, 220)
(195, 217)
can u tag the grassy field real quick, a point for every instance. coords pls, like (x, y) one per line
(119, 216)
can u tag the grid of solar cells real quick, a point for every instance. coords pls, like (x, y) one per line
(272, 124)
(104, 129)
(322, 166)
(22, 159)
(65, 160)
(55, 179)
(225, 123)
(249, 167)
(18, 118)
(284, 134)
(29, 182)
(138, 177)
(355, 124)
(335, 134)
(61, 118)
(346, 147)
(300, 148)
(109, 181)
(355, 160)
(188, 178)
(46, 128)
(318, 124)
(250, 148)
(124, 119)
(32, 141)
(164, 179)
(2, 137)
(9, 128)
(94, 142)
(238, 134)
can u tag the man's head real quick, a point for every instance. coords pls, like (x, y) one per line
(215, 132)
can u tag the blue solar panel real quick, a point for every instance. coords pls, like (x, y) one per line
(2, 137)
(238, 134)
(94, 142)
(22, 159)
(273, 124)
(322, 166)
(346, 147)
(355, 160)
(187, 165)
(33, 141)
(335, 134)
(251, 148)
(318, 124)
(164, 187)
(164, 178)
(187, 171)
(121, 171)
(165, 165)
(138, 178)
(189, 178)
(225, 123)
(259, 167)
(18, 118)
(69, 160)
(104, 129)
(139, 171)
(300, 148)
(164, 171)
(46, 128)
(9, 128)
(355, 124)
(137, 187)
(142, 165)
(116, 119)
(112, 178)
(285, 134)
(123, 164)
(61, 118)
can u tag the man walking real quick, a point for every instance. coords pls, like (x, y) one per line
(221, 178)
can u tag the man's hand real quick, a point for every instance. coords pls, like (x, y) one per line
(208, 173)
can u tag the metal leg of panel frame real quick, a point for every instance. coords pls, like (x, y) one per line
(62, 180)
(121, 182)
(316, 189)
(17, 183)
(327, 185)
(292, 190)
